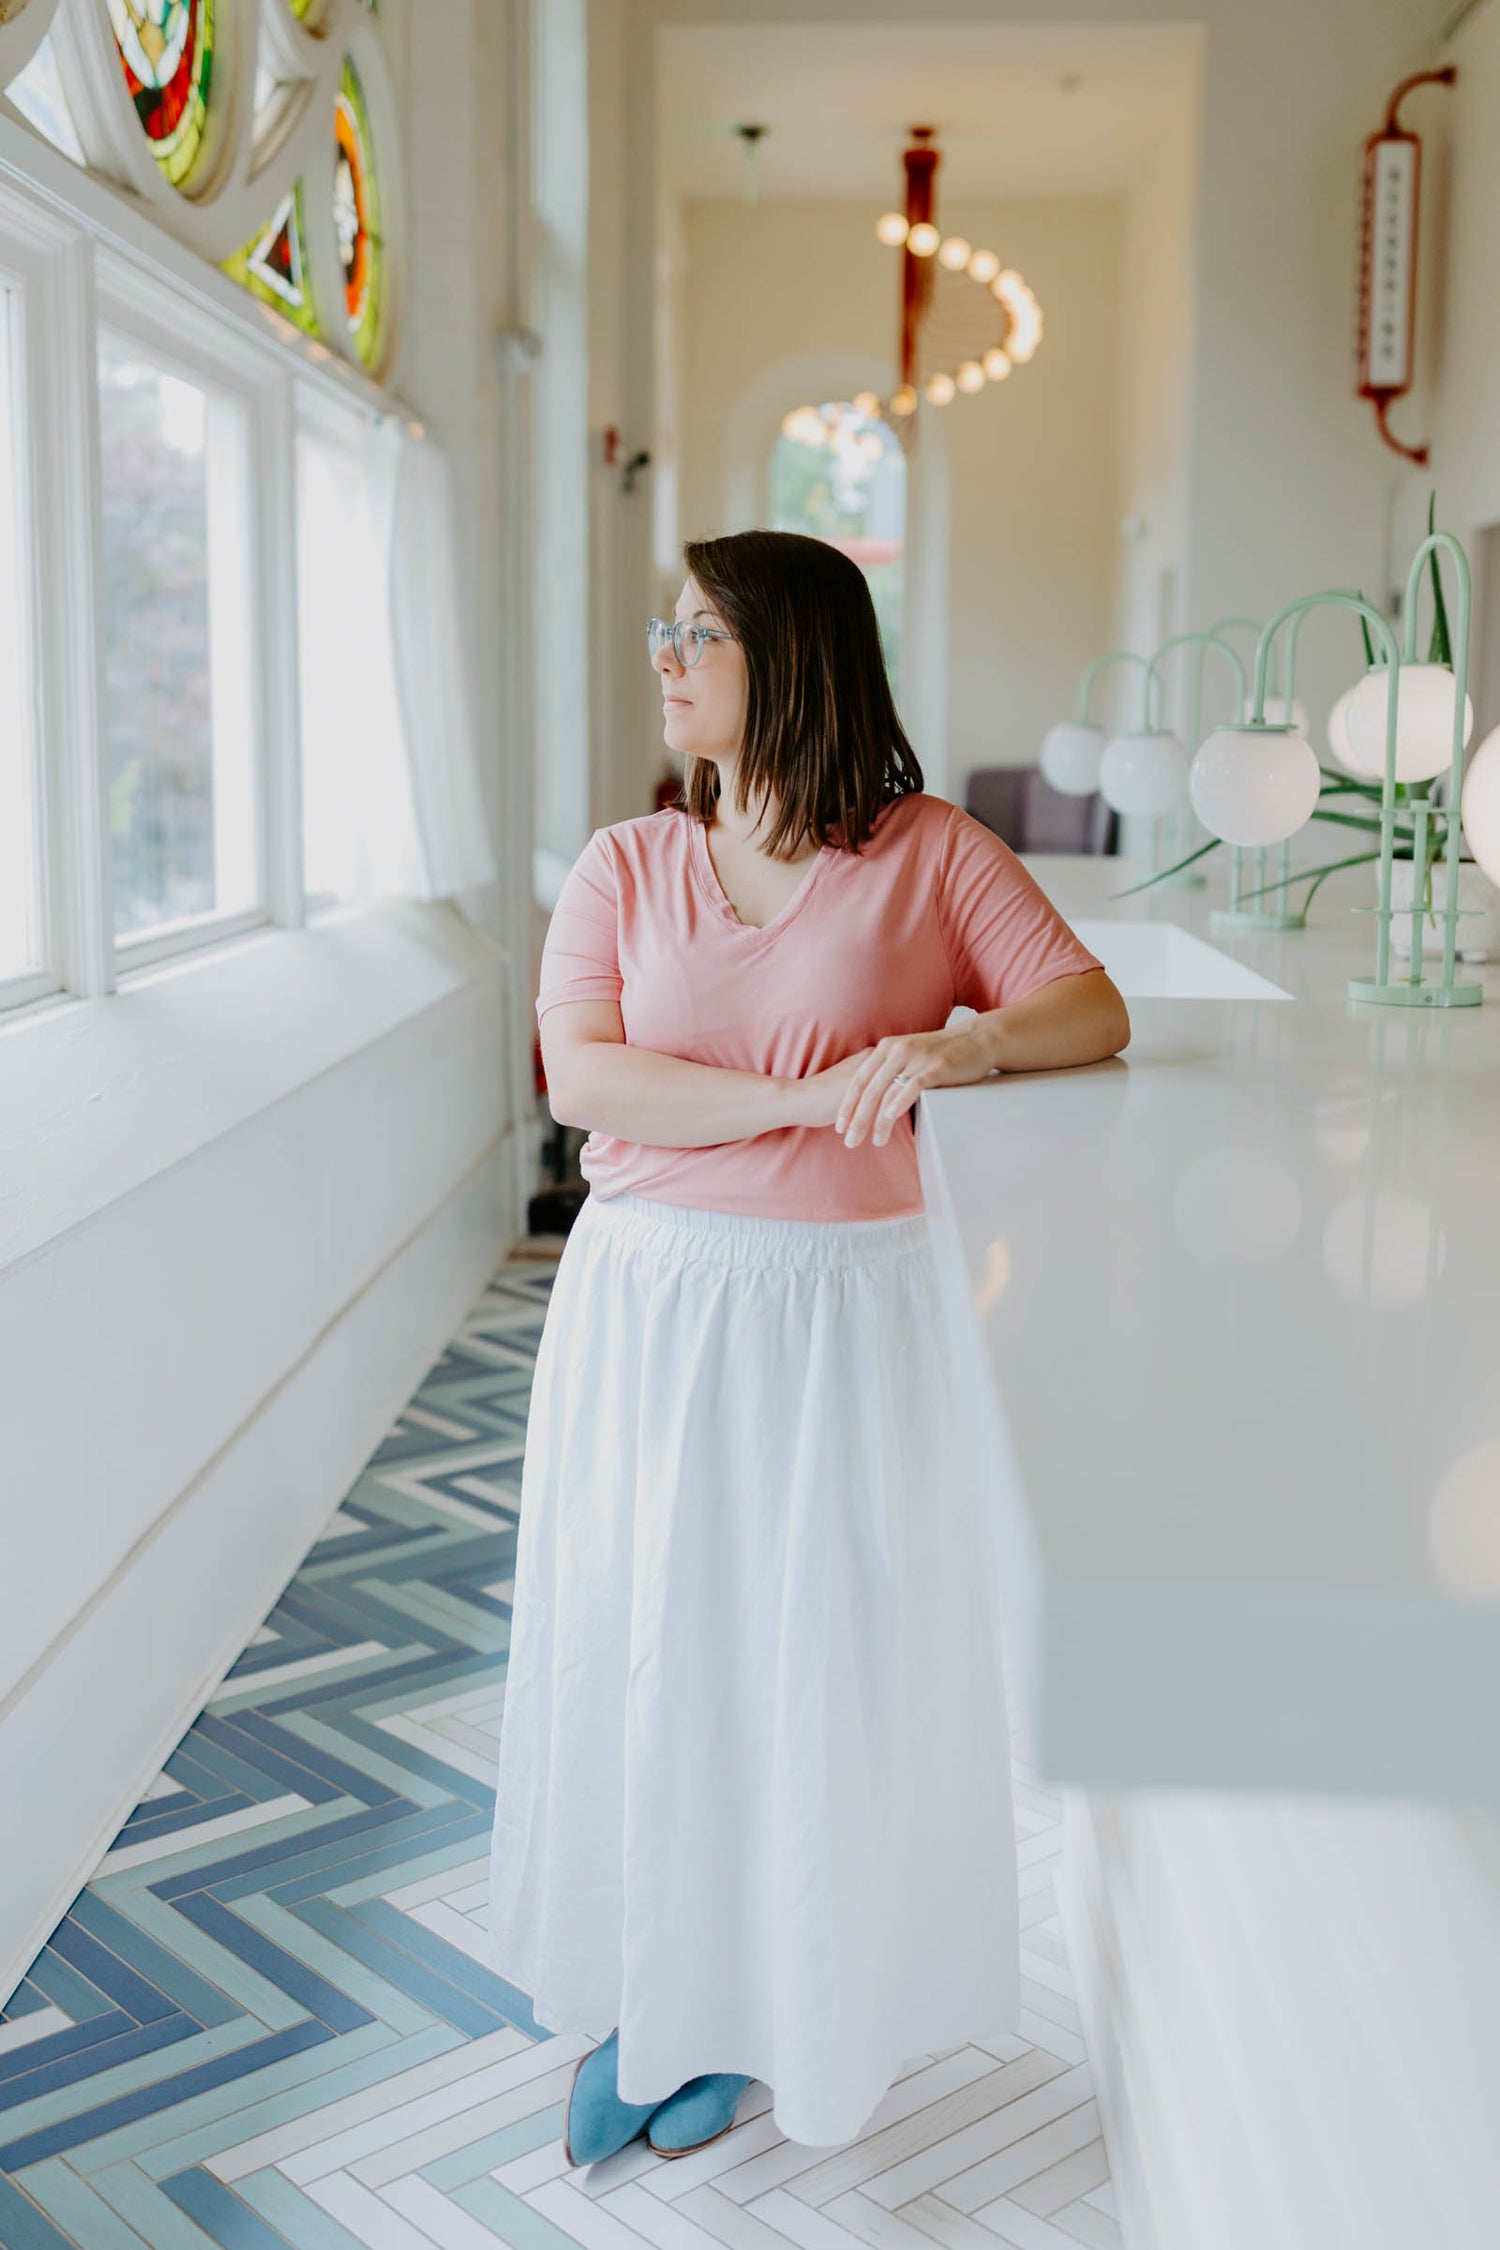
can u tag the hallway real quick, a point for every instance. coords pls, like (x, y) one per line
(268, 2019)
(443, 455)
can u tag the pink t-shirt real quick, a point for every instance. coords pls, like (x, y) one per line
(933, 911)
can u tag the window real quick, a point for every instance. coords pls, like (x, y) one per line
(174, 481)
(274, 267)
(23, 949)
(840, 475)
(357, 219)
(167, 54)
(173, 611)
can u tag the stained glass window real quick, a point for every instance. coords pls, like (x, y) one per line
(356, 210)
(167, 50)
(273, 266)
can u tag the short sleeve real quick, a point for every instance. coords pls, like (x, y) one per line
(1004, 936)
(581, 951)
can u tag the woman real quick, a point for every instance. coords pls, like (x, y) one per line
(754, 1814)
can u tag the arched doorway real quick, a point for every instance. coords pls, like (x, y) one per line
(839, 474)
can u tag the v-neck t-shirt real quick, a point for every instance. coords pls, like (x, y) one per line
(933, 911)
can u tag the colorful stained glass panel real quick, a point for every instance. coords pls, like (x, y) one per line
(166, 51)
(273, 266)
(356, 210)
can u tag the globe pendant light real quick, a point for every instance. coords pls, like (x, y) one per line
(1338, 732)
(1070, 757)
(1143, 773)
(1425, 710)
(1254, 785)
(1481, 805)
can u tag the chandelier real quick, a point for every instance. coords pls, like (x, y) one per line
(965, 319)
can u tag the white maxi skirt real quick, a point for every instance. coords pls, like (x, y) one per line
(754, 1799)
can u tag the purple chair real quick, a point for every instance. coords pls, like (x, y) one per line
(1027, 813)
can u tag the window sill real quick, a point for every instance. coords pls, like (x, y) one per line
(99, 1096)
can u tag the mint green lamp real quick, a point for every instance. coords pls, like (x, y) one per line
(1073, 750)
(1144, 770)
(1255, 784)
(1424, 738)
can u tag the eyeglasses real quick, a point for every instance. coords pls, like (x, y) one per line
(687, 640)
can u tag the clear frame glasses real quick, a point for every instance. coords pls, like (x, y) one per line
(688, 640)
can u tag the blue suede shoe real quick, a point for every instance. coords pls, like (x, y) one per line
(696, 2114)
(596, 2121)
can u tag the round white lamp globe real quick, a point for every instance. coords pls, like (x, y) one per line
(955, 253)
(1338, 730)
(1481, 805)
(1425, 697)
(922, 239)
(1071, 753)
(1254, 785)
(891, 228)
(1144, 774)
(939, 388)
(971, 376)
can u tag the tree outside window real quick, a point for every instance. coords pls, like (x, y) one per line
(840, 475)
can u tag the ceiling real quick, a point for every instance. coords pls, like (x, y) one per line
(1028, 110)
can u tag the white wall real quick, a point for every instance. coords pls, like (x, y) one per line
(1154, 399)
(770, 294)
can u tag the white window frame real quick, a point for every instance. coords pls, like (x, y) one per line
(79, 258)
(181, 338)
(19, 531)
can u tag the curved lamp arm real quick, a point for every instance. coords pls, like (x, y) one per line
(1201, 643)
(1090, 671)
(1224, 625)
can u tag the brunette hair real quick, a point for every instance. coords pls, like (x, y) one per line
(821, 732)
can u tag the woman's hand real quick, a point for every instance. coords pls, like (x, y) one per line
(887, 1078)
(1068, 1022)
(820, 1096)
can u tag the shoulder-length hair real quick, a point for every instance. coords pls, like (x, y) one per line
(822, 738)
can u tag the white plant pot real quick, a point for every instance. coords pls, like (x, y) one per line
(1478, 905)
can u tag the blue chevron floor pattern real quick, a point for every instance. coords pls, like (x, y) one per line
(269, 2021)
(287, 1936)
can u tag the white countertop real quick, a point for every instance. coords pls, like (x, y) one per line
(1238, 1297)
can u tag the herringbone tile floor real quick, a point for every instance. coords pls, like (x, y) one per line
(269, 2019)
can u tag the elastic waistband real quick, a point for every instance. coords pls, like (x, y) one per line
(738, 1238)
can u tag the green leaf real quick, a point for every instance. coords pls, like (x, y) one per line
(1176, 869)
(1366, 859)
(1340, 785)
(1349, 820)
(1440, 648)
(1314, 874)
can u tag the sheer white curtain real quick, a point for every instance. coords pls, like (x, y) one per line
(432, 676)
(391, 800)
